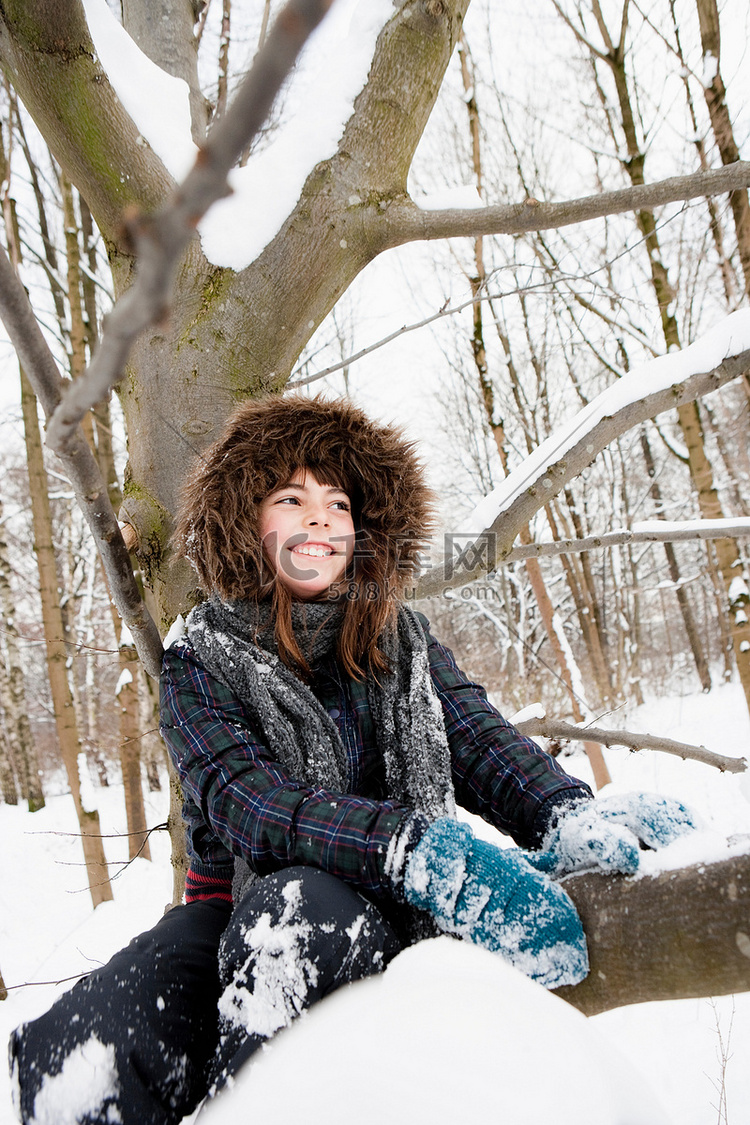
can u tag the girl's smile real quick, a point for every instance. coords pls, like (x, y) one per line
(308, 534)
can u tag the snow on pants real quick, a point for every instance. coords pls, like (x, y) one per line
(142, 1040)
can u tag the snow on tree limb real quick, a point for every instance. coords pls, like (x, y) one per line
(553, 728)
(662, 384)
(161, 239)
(80, 466)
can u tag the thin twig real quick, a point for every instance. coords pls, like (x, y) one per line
(555, 728)
(124, 865)
(98, 835)
(38, 983)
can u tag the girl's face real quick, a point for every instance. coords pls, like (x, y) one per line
(308, 534)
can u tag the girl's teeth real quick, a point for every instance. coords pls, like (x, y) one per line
(317, 552)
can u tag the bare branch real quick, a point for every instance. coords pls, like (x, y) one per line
(162, 238)
(663, 937)
(577, 32)
(409, 223)
(568, 732)
(660, 531)
(297, 379)
(304, 381)
(558, 461)
(80, 466)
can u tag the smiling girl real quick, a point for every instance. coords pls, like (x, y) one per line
(307, 534)
(323, 739)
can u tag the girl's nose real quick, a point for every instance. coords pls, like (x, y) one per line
(315, 517)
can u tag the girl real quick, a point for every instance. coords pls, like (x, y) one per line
(322, 737)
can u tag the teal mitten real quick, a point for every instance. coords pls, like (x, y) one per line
(494, 897)
(606, 834)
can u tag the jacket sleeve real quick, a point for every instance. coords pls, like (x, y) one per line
(239, 801)
(497, 773)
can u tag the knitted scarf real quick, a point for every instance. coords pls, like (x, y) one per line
(235, 642)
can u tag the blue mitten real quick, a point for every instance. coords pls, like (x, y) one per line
(606, 834)
(493, 897)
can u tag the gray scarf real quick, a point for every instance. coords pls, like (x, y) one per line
(235, 642)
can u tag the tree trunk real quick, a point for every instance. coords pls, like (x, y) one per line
(153, 750)
(223, 85)
(16, 711)
(696, 645)
(176, 828)
(57, 656)
(717, 234)
(721, 124)
(130, 752)
(8, 786)
(581, 584)
(593, 751)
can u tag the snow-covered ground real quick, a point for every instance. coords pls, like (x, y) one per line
(449, 1033)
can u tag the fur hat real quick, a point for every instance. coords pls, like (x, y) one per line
(265, 443)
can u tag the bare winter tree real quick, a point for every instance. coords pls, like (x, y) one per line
(231, 335)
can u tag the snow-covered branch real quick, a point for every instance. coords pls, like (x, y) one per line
(161, 239)
(486, 537)
(649, 531)
(409, 223)
(80, 467)
(555, 728)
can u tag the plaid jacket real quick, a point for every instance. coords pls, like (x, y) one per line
(239, 801)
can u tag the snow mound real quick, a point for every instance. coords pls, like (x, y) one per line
(450, 1033)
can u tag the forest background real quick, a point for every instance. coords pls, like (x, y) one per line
(498, 341)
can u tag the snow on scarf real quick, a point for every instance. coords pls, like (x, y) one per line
(235, 642)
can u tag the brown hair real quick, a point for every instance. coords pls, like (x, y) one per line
(264, 444)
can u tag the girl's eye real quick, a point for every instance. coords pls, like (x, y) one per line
(288, 500)
(342, 504)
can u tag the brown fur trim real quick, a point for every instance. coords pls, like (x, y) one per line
(265, 443)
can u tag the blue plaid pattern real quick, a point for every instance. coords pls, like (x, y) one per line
(239, 801)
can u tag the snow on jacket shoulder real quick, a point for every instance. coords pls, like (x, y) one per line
(239, 801)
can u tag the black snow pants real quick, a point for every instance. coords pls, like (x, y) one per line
(142, 1040)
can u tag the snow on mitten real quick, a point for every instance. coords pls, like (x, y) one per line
(493, 897)
(606, 834)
